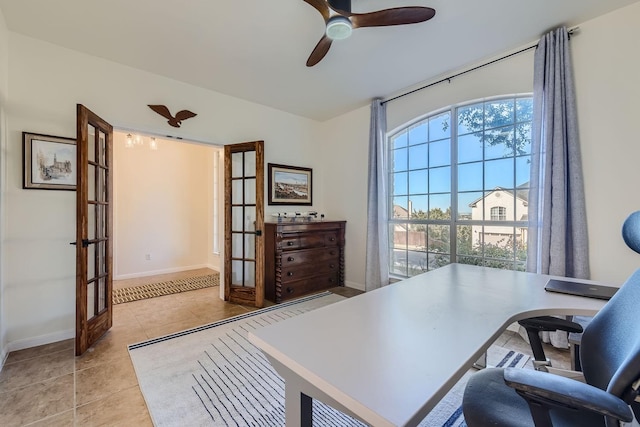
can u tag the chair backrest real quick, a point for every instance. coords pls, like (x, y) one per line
(631, 231)
(610, 345)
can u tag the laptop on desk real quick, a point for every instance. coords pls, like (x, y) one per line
(581, 289)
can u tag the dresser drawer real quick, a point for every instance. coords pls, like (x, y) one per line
(302, 287)
(312, 256)
(294, 272)
(309, 240)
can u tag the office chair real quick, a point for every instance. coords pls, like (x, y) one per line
(534, 325)
(610, 357)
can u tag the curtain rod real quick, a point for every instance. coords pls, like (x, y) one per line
(571, 31)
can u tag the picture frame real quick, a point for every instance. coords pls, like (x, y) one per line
(49, 162)
(290, 185)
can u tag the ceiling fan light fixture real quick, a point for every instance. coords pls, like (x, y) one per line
(339, 27)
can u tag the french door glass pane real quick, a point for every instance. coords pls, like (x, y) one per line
(91, 147)
(250, 191)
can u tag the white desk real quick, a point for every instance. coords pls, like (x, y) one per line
(388, 356)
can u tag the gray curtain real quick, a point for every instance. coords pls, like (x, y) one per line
(377, 266)
(557, 242)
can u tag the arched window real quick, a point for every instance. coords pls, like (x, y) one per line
(447, 173)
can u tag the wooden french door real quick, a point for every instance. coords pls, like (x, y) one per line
(244, 221)
(94, 219)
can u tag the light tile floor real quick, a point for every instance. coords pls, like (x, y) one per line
(49, 386)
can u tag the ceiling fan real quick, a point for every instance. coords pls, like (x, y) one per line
(340, 22)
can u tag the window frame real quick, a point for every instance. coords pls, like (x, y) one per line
(517, 226)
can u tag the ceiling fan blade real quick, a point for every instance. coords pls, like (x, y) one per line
(322, 7)
(394, 16)
(319, 51)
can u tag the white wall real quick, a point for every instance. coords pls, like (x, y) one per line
(46, 83)
(161, 207)
(606, 64)
(4, 84)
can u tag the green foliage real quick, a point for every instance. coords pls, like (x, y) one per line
(493, 124)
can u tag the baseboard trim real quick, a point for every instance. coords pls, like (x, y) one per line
(163, 271)
(354, 285)
(41, 340)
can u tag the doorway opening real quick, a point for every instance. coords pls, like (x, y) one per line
(168, 216)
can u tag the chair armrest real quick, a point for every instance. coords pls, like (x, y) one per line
(556, 390)
(550, 323)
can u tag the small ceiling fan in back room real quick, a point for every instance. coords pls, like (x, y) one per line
(340, 22)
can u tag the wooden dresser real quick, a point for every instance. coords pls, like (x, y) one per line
(302, 257)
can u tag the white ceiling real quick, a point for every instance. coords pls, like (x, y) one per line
(257, 49)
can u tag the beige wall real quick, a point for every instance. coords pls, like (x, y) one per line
(606, 63)
(607, 88)
(46, 82)
(162, 207)
(4, 84)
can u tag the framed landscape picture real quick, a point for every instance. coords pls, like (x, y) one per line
(49, 162)
(289, 185)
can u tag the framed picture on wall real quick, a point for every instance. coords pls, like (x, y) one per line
(49, 162)
(289, 185)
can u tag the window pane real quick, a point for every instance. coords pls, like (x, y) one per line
(418, 134)
(440, 206)
(439, 239)
(440, 153)
(398, 263)
(440, 180)
(400, 160)
(400, 183)
(523, 138)
(470, 119)
(499, 205)
(419, 181)
(524, 109)
(469, 148)
(439, 126)
(498, 143)
(399, 140)
(523, 170)
(400, 207)
(498, 113)
(470, 177)
(470, 204)
(498, 173)
(419, 156)
(417, 237)
(465, 242)
(419, 206)
(417, 263)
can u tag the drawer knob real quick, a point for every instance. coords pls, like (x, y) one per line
(332, 266)
(289, 290)
(331, 280)
(332, 252)
(291, 259)
(332, 239)
(290, 243)
(290, 273)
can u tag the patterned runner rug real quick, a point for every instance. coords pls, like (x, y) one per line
(136, 293)
(213, 376)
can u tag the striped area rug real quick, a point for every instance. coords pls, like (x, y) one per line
(213, 376)
(152, 290)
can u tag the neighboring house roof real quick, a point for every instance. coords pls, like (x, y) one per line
(522, 193)
(400, 212)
